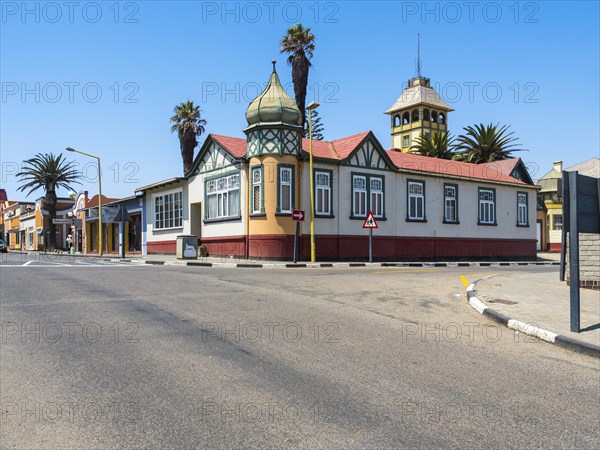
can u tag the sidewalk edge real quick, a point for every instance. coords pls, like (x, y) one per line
(565, 342)
(328, 265)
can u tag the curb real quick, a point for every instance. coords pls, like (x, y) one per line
(565, 342)
(284, 265)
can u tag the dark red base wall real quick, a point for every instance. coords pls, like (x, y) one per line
(225, 246)
(161, 247)
(554, 247)
(385, 248)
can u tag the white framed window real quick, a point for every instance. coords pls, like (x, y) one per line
(487, 206)
(450, 203)
(557, 222)
(405, 140)
(168, 210)
(322, 193)
(257, 199)
(522, 212)
(286, 189)
(376, 192)
(359, 195)
(223, 197)
(416, 200)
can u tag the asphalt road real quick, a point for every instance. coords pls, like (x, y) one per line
(99, 355)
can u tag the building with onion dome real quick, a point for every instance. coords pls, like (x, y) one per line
(239, 196)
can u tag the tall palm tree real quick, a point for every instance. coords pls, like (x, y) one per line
(299, 43)
(189, 124)
(48, 172)
(437, 145)
(486, 143)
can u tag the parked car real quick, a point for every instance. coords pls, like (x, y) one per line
(3, 247)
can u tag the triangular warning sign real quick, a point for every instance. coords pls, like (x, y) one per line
(370, 221)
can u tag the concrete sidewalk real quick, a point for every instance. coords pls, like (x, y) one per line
(215, 261)
(538, 303)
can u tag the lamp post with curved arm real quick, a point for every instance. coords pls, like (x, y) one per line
(313, 258)
(100, 233)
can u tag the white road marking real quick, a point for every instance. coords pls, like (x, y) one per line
(57, 265)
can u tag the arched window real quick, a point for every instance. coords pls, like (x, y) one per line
(405, 118)
(434, 116)
(415, 115)
(442, 118)
(396, 121)
(425, 115)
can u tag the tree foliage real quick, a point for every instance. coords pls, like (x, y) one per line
(486, 143)
(437, 145)
(48, 172)
(317, 126)
(188, 123)
(299, 44)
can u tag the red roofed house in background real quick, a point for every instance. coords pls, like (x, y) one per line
(239, 195)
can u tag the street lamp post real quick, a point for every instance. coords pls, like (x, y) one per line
(310, 107)
(100, 233)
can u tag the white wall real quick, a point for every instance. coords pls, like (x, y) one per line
(196, 195)
(171, 234)
(396, 207)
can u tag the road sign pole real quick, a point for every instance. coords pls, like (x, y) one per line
(122, 231)
(573, 253)
(370, 245)
(370, 223)
(296, 241)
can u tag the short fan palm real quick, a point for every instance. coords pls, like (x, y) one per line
(48, 172)
(486, 143)
(437, 145)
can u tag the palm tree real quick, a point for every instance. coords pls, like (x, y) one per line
(317, 127)
(48, 172)
(437, 145)
(189, 126)
(299, 43)
(483, 144)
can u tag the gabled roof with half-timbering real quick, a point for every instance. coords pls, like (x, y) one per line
(358, 150)
(513, 167)
(217, 152)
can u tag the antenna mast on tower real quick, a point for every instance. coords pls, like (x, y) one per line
(419, 55)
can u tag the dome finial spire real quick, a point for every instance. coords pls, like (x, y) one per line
(274, 105)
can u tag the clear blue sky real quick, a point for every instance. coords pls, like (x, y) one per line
(531, 65)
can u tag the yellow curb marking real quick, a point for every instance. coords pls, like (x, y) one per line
(463, 278)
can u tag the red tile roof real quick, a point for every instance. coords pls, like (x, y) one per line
(338, 149)
(321, 149)
(92, 202)
(418, 163)
(505, 166)
(235, 146)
